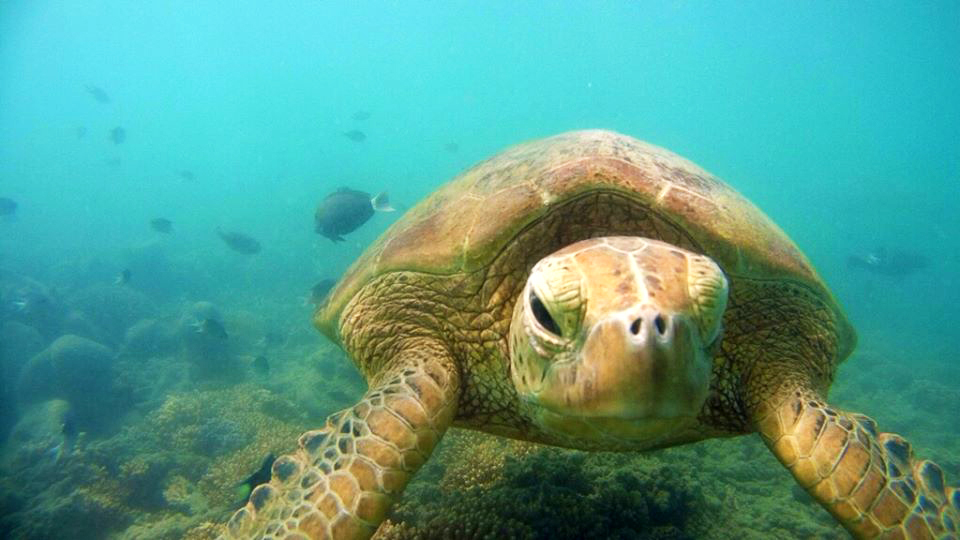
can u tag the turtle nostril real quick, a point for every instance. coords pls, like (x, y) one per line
(635, 327)
(660, 324)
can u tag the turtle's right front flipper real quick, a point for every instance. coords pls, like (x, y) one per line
(341, 481)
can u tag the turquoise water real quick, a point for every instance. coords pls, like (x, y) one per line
(839, 119)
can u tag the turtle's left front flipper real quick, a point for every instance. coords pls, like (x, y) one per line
(869, 481)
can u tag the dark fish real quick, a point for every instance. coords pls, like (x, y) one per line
(451, 147)
(68, 437)
(318, 293)
(211, 327)
(361, 115)
(81, 132)
(98, 94)
(239, 242)
(187, 175)
(8, 206)
(345, 210)
(123, 277)
(68, 424)
(261, 365)
(895, 263)
(161, 225)
(118, 135)
(262, 476)
(355, 135)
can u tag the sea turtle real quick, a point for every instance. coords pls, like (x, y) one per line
(590, 291)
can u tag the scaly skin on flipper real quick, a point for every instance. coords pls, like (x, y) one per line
(869, 481)
(341, 481)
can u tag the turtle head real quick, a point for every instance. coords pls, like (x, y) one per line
(614, 338)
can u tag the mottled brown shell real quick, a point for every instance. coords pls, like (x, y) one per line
(464, 224)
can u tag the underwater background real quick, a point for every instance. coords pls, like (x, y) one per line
(148, 364)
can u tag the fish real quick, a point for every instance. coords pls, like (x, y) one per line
(355, 135)
(451, 147)
(319, 292)
(8, 206)
(68, 437)
(118, 135)
(261, 476)
(239, 242)
(161, 225)
(211, 327)
(345, 210)
(261, 365)
(98, 93)
(361, 115)
(186, 175)
(81, 132)
(890, 263)
(123, 277)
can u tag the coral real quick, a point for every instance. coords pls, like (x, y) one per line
(150, 337)
(217, 436)
(477, 460)
(32, 303)
(111, 309)
(80, 371)
(155, 478)
(490, 488)
(18, 343)
(210, 353)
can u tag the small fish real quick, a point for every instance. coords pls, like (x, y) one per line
(344, 210)
(68, 425)
(451, 147)
(261, 365)
(318, 293)
(355, 135)
(98, 93)
(68, 437)
(239, 242)
(123, 277)
(211, 327)
(161, 225)
(19, 305)
(895, 263)
(187, 175)
(361, 115)
(261, 476)
(118, 135)
(8, 206)
(81, 132)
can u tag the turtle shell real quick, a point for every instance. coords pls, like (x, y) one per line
(464, 224)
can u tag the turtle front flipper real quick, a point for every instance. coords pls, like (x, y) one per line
(341, 481)
(869, 481)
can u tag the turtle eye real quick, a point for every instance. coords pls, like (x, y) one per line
(542, 315)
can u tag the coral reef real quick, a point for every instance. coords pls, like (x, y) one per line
(18, 343)
(492, 488)
(156, 478)
(207, 345)
(80, 371)
(150, 337)
(111, 309)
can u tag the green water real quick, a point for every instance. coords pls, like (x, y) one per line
(839, 119)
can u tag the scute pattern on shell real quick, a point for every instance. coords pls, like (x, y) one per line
(463, 225)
